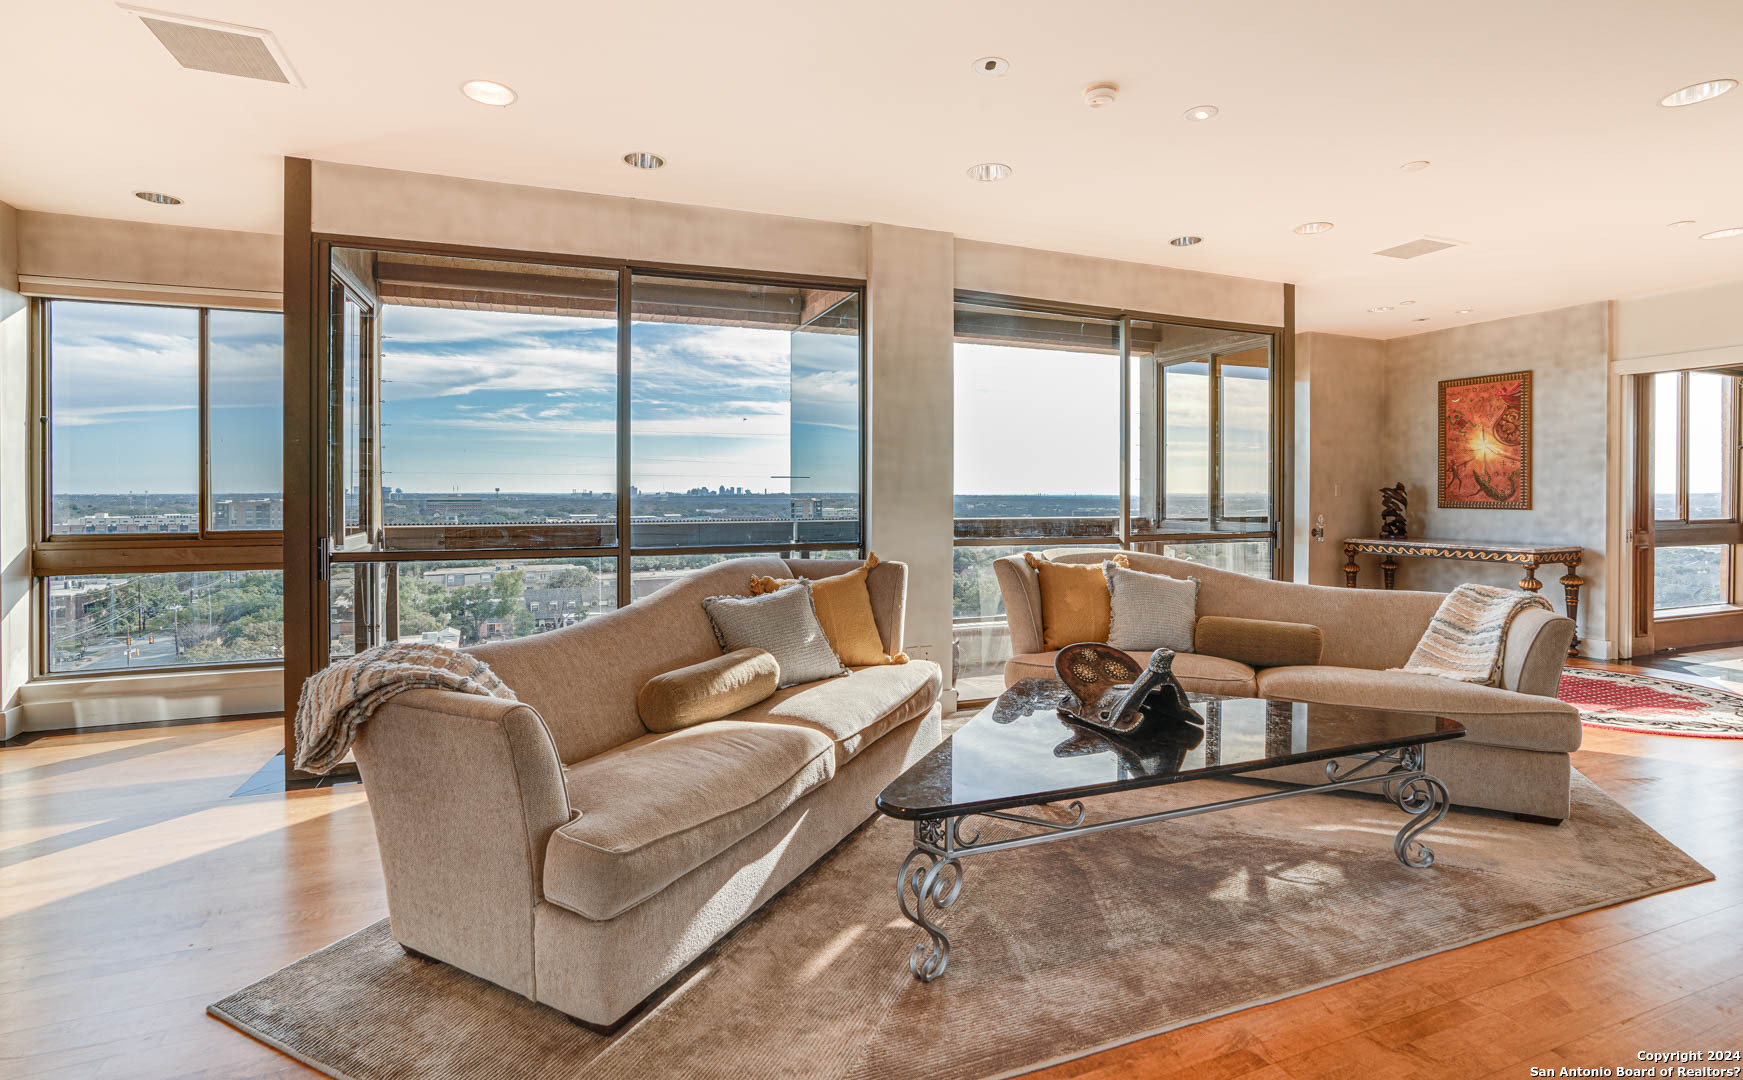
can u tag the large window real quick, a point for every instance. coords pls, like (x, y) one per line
(105, 623)
(163, 452)
(1048, 423)
(133, 392)
(1694, 474)
(510, 417)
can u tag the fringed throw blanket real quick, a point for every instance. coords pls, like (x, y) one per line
(336, 700)
(1467, 638)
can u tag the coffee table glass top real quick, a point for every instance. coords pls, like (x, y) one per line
(1018, 751)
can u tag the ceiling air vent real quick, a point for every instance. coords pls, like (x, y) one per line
(228, 49)
(1428, 245)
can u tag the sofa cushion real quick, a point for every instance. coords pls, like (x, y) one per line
(1491, 716)
(844, 609)
(856, 711)
(1198, 673)
(657, 807)
(1074, 601)
(709, 690)
(783, 622)
(1150, 611)
(1260, 642)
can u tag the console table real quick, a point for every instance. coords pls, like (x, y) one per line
(1529, 556)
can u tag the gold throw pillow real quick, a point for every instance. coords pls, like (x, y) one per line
(709, 690)
(1075, 604)
(844, 608)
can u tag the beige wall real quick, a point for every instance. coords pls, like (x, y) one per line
(15, 428)
(1567, 351)
(1110, 283)
(1340, 409)
(105, 259)
(1704, 320)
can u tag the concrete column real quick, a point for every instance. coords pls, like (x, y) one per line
(910, 292)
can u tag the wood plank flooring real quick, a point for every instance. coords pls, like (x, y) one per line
(133, 891)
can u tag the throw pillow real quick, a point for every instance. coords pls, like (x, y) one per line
(1150, 611)
(844, 609)
(708, 690)
(1260, 642)
(783, 623)
(1074, 600)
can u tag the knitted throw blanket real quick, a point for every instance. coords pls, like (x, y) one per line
(1467, 638)
(336, 700)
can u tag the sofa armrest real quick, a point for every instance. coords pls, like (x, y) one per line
(887, 585)
(1021, 590)
(1536, 650)
(466, 792)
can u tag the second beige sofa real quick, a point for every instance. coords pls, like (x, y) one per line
(1514, 756)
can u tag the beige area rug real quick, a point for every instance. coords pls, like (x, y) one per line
(1057, 950)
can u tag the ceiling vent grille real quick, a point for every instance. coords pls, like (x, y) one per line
(204, 45)
(1427, 245)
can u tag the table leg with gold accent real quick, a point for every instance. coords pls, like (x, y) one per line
(1529, 582)
(1570, 583)
(1389, 570)
(1350, 567)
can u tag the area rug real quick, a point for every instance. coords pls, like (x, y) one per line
(1059, 950)
(1628, 702)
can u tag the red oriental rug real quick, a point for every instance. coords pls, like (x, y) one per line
(1628, 702)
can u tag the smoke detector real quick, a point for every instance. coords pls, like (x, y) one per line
(1101, 95)
(225, 48)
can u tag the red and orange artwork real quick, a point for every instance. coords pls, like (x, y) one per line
(1485, 442)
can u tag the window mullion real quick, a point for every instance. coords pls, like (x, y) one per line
(203, 519)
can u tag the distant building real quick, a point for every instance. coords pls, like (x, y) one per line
(807, 508)
(452, 505)
(262, 514)
(131, 524)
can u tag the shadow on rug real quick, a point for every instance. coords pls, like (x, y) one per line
(1057, 951)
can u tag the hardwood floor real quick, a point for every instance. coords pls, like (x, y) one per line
(134, 891)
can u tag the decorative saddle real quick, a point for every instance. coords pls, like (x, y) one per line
(1107, 691)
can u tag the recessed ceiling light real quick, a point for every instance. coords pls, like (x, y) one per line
(1186, 241)
(992, 67)
(1381, 307)
(1405, 303)
(1699, 92)
(157, 197)
(1464, 311)
(1202, 112)
(1414, 166)
(486, 92)
(1683, 224)
(1314, 228)
(989, 170)
(1723, 234)
(643, 160)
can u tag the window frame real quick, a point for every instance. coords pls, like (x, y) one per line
(388, 545)
(1280, 369)
(1683, 530)
(74, 554)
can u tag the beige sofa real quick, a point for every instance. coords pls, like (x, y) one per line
(558, 848)
(1514, 756)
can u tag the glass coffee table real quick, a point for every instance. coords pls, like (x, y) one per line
(1018, 753)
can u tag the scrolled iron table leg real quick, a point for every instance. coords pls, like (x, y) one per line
(1426, 799)
(929, 881)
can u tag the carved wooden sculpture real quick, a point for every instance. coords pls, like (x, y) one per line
(1393, 505)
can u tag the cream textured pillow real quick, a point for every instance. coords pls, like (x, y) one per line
(1150, 611)
(784, 623)
(707, 691)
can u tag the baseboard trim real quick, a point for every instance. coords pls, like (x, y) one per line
(122, 700)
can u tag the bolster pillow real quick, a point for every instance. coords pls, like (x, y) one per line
(1259, 642)
(708, 690)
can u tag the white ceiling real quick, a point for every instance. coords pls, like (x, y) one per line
(1552, 159)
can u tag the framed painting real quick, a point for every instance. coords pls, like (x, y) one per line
(1485, 442)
